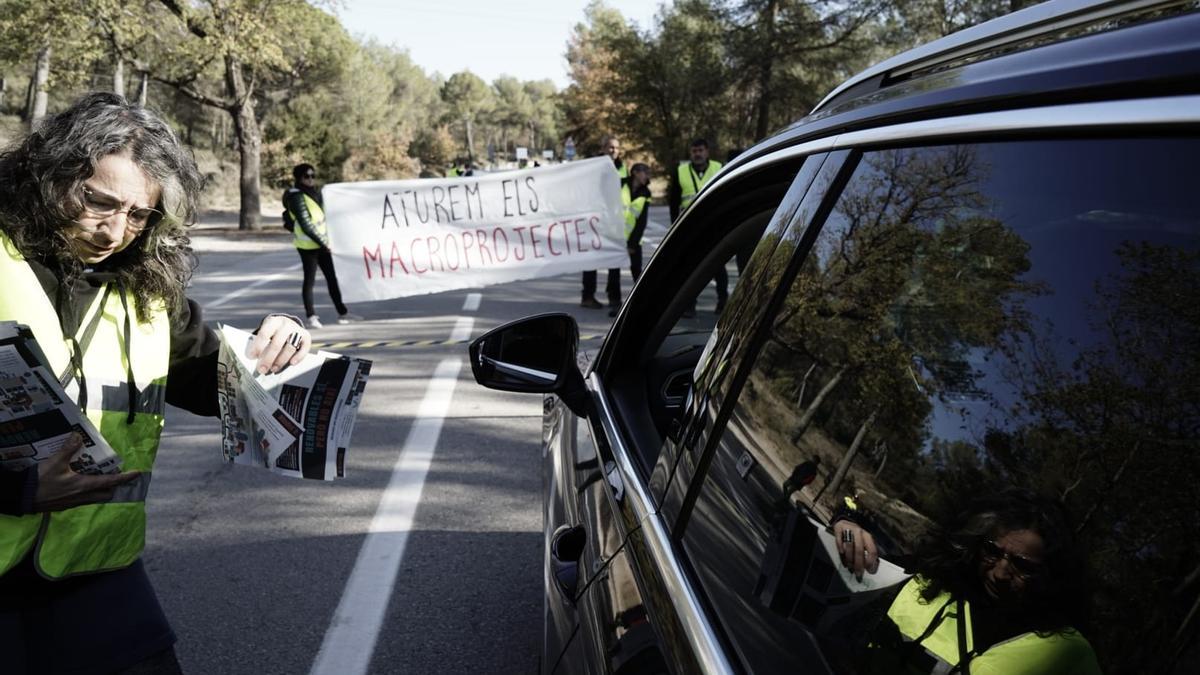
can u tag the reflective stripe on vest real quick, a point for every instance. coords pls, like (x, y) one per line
(1066, 652)
(633, 209)
(105, 536)
(690, 182)
(316, 215)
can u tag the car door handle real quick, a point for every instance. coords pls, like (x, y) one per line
(566, 548)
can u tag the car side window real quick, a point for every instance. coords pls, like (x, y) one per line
(647, 362)
(974, 322)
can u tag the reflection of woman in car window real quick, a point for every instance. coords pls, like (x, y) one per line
(1008, 564)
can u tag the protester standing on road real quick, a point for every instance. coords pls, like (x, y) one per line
(611, 146)
(311, 238)
(635, 195)
(689, 177)
(95, 258)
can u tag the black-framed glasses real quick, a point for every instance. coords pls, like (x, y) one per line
(1023, 567)
(310, 175)
(136, 219)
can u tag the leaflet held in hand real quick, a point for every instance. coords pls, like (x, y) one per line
(36, 414)
(296, 422)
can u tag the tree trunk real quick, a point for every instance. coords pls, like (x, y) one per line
(41, 97)
(245, 127)
(119, 77)
(835, 483)
(28, 109)
(804, 384)
(470, 141)
(807, 418)
(3, 90)
(763, 125)
(143, 87)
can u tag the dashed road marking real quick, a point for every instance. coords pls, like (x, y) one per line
(471, 304)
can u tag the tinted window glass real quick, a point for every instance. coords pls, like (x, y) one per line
(987, 368)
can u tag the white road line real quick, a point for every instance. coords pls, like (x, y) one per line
(471, 304)
(350, 640)
(462, 328)
(265, 280)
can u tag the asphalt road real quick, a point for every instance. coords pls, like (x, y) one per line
(251, 567)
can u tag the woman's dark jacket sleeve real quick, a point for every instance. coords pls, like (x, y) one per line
(192, 377)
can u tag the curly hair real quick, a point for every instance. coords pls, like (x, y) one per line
(41, 179)
(947, 558)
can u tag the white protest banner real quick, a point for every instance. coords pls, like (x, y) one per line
(393, 239)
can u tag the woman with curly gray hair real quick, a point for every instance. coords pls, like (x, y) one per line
(997, 590)
(94, 258)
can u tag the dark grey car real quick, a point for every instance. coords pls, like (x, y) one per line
(972, 269)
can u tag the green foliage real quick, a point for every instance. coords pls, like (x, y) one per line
(467, 99)
(301, 131)
(733, 71)
(435, 148)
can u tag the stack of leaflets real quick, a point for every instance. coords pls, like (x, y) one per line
(36, 415)
(296, 422)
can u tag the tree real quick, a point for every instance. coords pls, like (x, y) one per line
(239, 56)
(467, 97)
(513, 108)
(59, 36)
(790, 52)
(594, 102)
(547, 116)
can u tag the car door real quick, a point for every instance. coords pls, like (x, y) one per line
(639, 614)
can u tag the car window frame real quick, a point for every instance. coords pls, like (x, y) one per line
(1095, 119)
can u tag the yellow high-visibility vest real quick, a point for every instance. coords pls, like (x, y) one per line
(1062, 653)
(317, 215)
(633, 208)
(94, 537)
(690, 182)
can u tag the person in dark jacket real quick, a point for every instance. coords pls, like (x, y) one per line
(94, 258)
(311, 237)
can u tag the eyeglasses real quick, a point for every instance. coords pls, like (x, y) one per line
(309, 175)
(136, 219)
(1023, 567)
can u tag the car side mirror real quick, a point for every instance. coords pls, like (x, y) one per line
(532, 355)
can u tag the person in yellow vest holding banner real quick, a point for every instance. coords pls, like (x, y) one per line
(310, 236)
(95, 259)
(635, 196)
(689, 177)
(611, 146)
(998, 591)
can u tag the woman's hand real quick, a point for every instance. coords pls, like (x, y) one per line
(856, 547)
(279, 342)
(60, 487)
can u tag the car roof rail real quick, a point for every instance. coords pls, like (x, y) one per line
(1022, 25)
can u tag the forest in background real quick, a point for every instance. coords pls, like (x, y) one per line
(257, 86)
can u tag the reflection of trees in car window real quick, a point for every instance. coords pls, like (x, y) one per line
(909, 276)
(977, 318)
